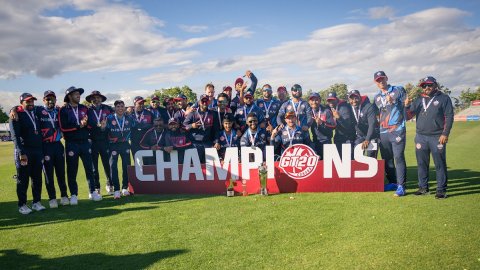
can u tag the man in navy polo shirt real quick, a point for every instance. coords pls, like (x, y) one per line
(390, 104)
(98, 113)
(433, 111)
(73, 118)
(27, 138)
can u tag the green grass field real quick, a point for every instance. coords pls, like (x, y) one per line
(286, 231)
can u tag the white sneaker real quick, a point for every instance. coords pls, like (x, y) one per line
(116, 195)
(125, 192)
(38, 206)
(94, 196)
(24, 210)
(53, 203)
(97, 190)
(64, 201)
(74, 200)
(109, 189)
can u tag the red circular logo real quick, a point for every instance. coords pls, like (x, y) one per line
(299, 161)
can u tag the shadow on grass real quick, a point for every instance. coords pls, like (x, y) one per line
(14, 259)
(10, 218)
(460, 181)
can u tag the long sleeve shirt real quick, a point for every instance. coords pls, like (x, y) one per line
(70, 118)
(26, 131)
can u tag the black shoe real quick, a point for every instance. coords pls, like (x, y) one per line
(440, 195)
(421, 191)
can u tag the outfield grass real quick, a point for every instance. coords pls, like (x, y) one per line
(308, 230)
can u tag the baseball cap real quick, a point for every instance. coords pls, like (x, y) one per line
(70, 90)
(155, 98)
(314, 95)
(180, 97)
(296, 87)
(26, 97)
(332, 96)
(290, 114)
(203, 97)
(379, 74)
(172, 121)
(248, 94)
(239, 80)
(138, 99)
(49, 93)
(428, 79)
(353, 93)
(282, 89)
(227, 88)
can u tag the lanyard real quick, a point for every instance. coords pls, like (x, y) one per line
(204, 119)
(290, 135)
(267, 107)
(295, 110)
(357, 115)
(170, 116)
(75, 112)
(425, 106)
(158, 138)
(118, 123)
(245, 110)
(229, 141)
(98, 116)
(252, 138)
(315, 115)
(52, 119)
(32, 119)
(139, 119)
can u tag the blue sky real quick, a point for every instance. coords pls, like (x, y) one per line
(125, 48)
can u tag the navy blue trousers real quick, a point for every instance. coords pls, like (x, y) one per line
(100, 148)
(116, 150)
(392, 148)
(54, 161)
(74, 151)
(424, 146)
(33, 170)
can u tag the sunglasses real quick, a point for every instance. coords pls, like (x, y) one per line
(296, 90)
(49, 99)
(252, 121)
(427, 85)
(248, 98)
(223, 101)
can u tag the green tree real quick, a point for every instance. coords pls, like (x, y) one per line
(467, 96)
(173, 92)
(339, 88)
(3, 116)
(413, 91)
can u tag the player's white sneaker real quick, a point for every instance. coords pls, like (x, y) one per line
(109, 189)
(53, 203)
(116, 195)
(125, 192)
(38, 206)
(64, 201)
(24, 210)
(94, 196)
(74, 200)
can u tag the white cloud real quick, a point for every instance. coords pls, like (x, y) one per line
(105, 36)
(385, 12)
(193, 28)
(431, 42)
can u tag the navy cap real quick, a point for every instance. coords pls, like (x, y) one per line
(353, 93)
(70, 90)
(314, 95)
(173, 121)
(379, 74)
(296, 87)
(281, 89)
(26, 96)
(180, 97)
(428, 79)
(203, 97)
(49, 93)
(138, 99)
(227, 88)
(332, 95)
(95, 93)
(248, 93)
(155, 98)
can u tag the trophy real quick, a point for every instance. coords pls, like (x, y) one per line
(230, 191)
(262, 173)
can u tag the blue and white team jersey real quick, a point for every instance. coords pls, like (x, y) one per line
(392, 115)
(269, 109)
(119, 129)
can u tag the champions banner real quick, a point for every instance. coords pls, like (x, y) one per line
(298, 170)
